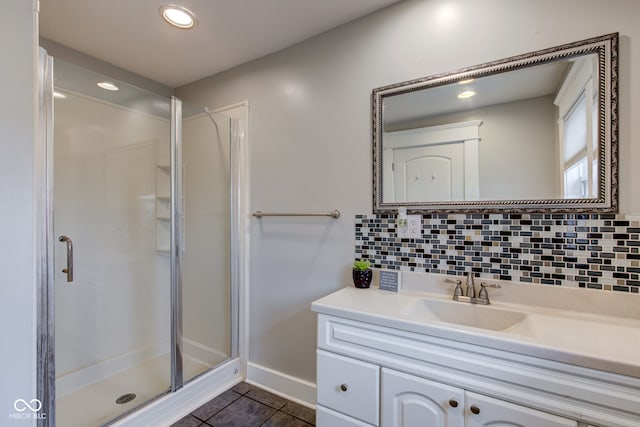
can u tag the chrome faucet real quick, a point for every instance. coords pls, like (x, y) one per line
(482, 297)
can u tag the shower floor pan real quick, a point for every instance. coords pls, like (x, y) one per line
(96, 404)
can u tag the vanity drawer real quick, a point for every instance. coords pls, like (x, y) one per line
(349, 386)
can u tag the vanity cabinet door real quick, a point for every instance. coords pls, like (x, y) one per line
(486, 411)
(409, 401)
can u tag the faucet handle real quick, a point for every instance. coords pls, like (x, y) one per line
(483, 295)
(457, 292)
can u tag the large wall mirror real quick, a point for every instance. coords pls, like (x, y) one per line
(532, 133)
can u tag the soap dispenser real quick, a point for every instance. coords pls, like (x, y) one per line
(471, 286)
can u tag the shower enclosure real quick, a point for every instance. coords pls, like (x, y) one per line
(141, 293)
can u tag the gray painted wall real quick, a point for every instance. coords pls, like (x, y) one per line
(310, 134)
(17, 137)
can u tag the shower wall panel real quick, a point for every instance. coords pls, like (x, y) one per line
(206, 254)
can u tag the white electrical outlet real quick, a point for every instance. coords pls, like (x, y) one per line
(413, 229)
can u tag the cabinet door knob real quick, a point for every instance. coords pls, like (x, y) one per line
(475, 410)
(453, 403)
(344, 387)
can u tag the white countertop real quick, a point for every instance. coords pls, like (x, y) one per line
(599, 330)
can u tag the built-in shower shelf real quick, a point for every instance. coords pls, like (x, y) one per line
(164, 168)
(163, 207)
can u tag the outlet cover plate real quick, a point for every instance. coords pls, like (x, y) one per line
(413, 230)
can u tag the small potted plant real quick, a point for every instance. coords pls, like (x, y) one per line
(362, 273)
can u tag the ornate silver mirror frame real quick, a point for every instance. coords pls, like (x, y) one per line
(606, 190)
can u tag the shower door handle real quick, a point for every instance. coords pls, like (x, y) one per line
(69, 270)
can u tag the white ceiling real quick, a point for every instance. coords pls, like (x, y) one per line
(132, 35)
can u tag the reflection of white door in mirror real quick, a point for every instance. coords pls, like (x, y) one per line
(431, 172)
(435, 163)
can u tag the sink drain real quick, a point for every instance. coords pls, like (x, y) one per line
(125, 398)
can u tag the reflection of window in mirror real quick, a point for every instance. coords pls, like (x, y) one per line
(594, 144)
(576, 180)
(577, 103)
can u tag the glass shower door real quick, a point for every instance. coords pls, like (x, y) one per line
(111, 203)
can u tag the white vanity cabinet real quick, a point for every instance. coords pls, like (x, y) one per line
(410, 401)
(374, 375)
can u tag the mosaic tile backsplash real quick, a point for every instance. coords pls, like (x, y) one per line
(599, 251)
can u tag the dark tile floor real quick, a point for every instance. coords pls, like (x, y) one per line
(245, 405)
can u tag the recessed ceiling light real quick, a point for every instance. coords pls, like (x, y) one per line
(108, 86)
(466, 94)
(464, 82)
(59, 95)
(178, 16)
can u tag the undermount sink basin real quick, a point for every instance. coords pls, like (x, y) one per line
(474, 315)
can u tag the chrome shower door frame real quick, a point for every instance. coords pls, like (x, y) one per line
(45, 346)
(177, 377)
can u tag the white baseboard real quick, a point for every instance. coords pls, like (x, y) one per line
(170, 408)
(84, 377)
(287, 386)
